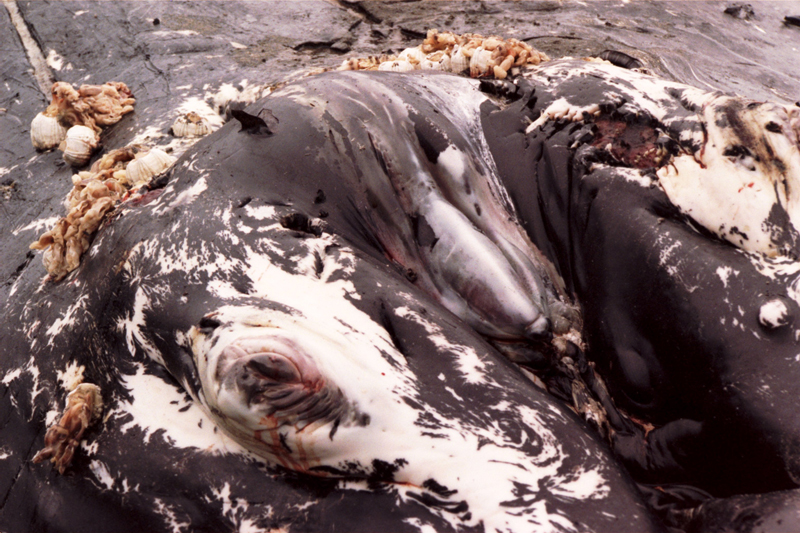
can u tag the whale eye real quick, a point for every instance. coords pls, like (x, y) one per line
(275, 367)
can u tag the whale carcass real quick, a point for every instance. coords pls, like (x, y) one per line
(272, 354)
(306, 287)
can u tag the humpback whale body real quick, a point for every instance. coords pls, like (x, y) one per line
(307, 323)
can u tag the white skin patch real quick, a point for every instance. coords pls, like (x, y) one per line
(134, 324)
(733, 185)
(72, 376)
(232, 509)
(37, 225)
(189, 195)
(100, 471)
(68, 319)
(471, 366)
(724, 272)
(169, 514)
(157, 406)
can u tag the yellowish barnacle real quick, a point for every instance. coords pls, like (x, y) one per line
(94, 193)
(84, 407)
(482, 56)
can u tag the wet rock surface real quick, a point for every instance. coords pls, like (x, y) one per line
(170, 53)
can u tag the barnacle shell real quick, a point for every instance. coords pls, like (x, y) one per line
(413, 55)
(148, 164)
(79, 144)
(396, 66)
(459, 62)
(190, 125)
(481, 62)
(439, 61)
(47, 132)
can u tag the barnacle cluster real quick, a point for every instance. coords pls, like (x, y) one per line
(84, 407)
(74, 119)
(481, 56)
(94, 193)
(94, 106)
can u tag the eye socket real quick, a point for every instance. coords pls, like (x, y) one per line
(275, 367)
(208, 324)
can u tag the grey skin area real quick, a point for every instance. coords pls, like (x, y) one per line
(151, 276)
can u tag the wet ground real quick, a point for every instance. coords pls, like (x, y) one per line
(171, 53)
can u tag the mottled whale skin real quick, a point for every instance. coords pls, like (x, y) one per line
(264, 238)
(677, 307)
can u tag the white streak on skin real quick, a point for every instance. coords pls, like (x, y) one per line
(666, 255)
(421, 526)
(37, 225)
(152, 410)
(168, 512)
(34, 371)
(100, 471)
(51, 416)
(4, 454)
(248, 526)
(454, 393)
(189, 195)
(470, 364)
(68, 319)
(724, 272)
(133, 326)
(149, 134)
(231, 509)
(71, 377)
(88, 449)
(6, 170)
(11, 376)
(631, 175)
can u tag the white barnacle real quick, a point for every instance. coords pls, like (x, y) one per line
(413, 55)
(47, 132)
(78, 145)
(459, 61)
(481, 63)
(191, 125)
